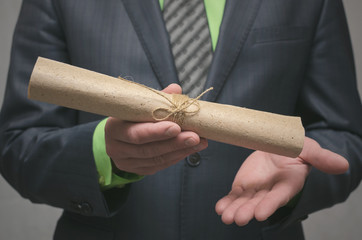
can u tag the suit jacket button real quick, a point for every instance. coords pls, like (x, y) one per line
(193, 160)
(86, 208)
(82, 207)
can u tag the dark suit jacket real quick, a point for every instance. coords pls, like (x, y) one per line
(284, 56)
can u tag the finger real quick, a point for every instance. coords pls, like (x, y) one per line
(230, 211)
(153, 165)
(246, 212)
(323, 159)
(154, 149)
(224, 202)
(140, 133)
(278, 196)
(173, 89)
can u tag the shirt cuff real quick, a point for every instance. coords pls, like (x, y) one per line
(107, 179)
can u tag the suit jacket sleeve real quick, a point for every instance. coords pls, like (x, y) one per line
(46, 155)
(331, 111)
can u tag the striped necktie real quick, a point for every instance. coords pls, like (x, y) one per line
(189, 34)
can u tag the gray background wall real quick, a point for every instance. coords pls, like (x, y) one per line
(20, 219)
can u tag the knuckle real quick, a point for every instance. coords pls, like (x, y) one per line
(158, 160)
(153, 150)
(169, 164)
(175, 146)
(145, 151)
(134, 136)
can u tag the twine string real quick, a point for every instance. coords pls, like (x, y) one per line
(178, 105)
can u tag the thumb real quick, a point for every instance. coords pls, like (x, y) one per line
(323, 159)
(173, 89)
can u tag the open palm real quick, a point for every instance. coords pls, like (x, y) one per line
(268, 181)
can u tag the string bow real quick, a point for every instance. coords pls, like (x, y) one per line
(178, 109)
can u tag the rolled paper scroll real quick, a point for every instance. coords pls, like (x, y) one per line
(81, 89)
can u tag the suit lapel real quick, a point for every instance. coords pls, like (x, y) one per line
(238, 19)
(147, 21)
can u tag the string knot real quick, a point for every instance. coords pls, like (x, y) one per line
(179, 105)
(178, 109)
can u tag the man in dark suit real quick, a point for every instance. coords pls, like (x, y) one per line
(282, 56)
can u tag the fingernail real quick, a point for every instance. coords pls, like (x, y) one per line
(190, 142)
(202, 145)
(172, 131)
(199, 147)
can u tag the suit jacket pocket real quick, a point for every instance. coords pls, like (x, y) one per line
(279, 33)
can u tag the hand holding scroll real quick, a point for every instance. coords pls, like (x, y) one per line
(267, 181)
(145, 148)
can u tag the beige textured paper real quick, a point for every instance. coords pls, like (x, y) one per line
(81, 89)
